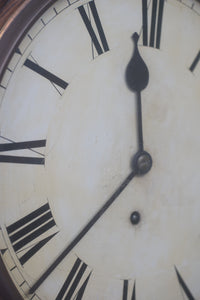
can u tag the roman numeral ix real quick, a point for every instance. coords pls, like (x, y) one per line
(152, 35)
(76, 282)
(22, 146)
(98, 39)
(28, 229)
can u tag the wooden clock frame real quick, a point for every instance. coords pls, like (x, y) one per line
(16, 18)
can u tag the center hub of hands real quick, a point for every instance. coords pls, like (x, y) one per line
(142, 162)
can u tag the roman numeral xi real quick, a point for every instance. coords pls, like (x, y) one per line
(95, 30)
(152, 35)
(29, 234)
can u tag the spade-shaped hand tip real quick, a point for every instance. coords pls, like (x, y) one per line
(135, 37)
(137, 74)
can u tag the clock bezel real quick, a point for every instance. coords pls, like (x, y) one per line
(17, 23)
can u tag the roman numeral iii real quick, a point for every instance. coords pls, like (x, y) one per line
(29, 230)
(12, 146)
(152, 35)
(95, 31)
(76, 282)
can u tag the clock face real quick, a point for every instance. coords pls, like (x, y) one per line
(99, 162)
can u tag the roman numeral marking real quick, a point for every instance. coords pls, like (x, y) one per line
(195, 62)
(46, 74)
(100, 43)
(184, 286)
(153, 39)
(22, 146)
(127, 291)
(29, 228)
(76, 282)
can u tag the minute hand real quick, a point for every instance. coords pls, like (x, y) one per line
(137, 78)
(83, 232)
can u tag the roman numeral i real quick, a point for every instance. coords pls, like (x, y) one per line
(152, 35)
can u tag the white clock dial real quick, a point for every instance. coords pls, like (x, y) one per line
(99, 162)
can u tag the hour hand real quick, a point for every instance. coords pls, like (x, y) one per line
(137, 78)
(137, 74)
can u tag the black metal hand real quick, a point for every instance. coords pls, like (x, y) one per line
(83, 232)
(137, 78)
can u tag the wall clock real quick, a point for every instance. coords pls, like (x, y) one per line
(99, 142)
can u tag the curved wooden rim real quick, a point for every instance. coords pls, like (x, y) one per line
(19, 15)
(2, 3)
(8, 290)
(19, 22)
(7, 8)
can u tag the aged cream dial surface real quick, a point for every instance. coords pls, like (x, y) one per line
(69, 130)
